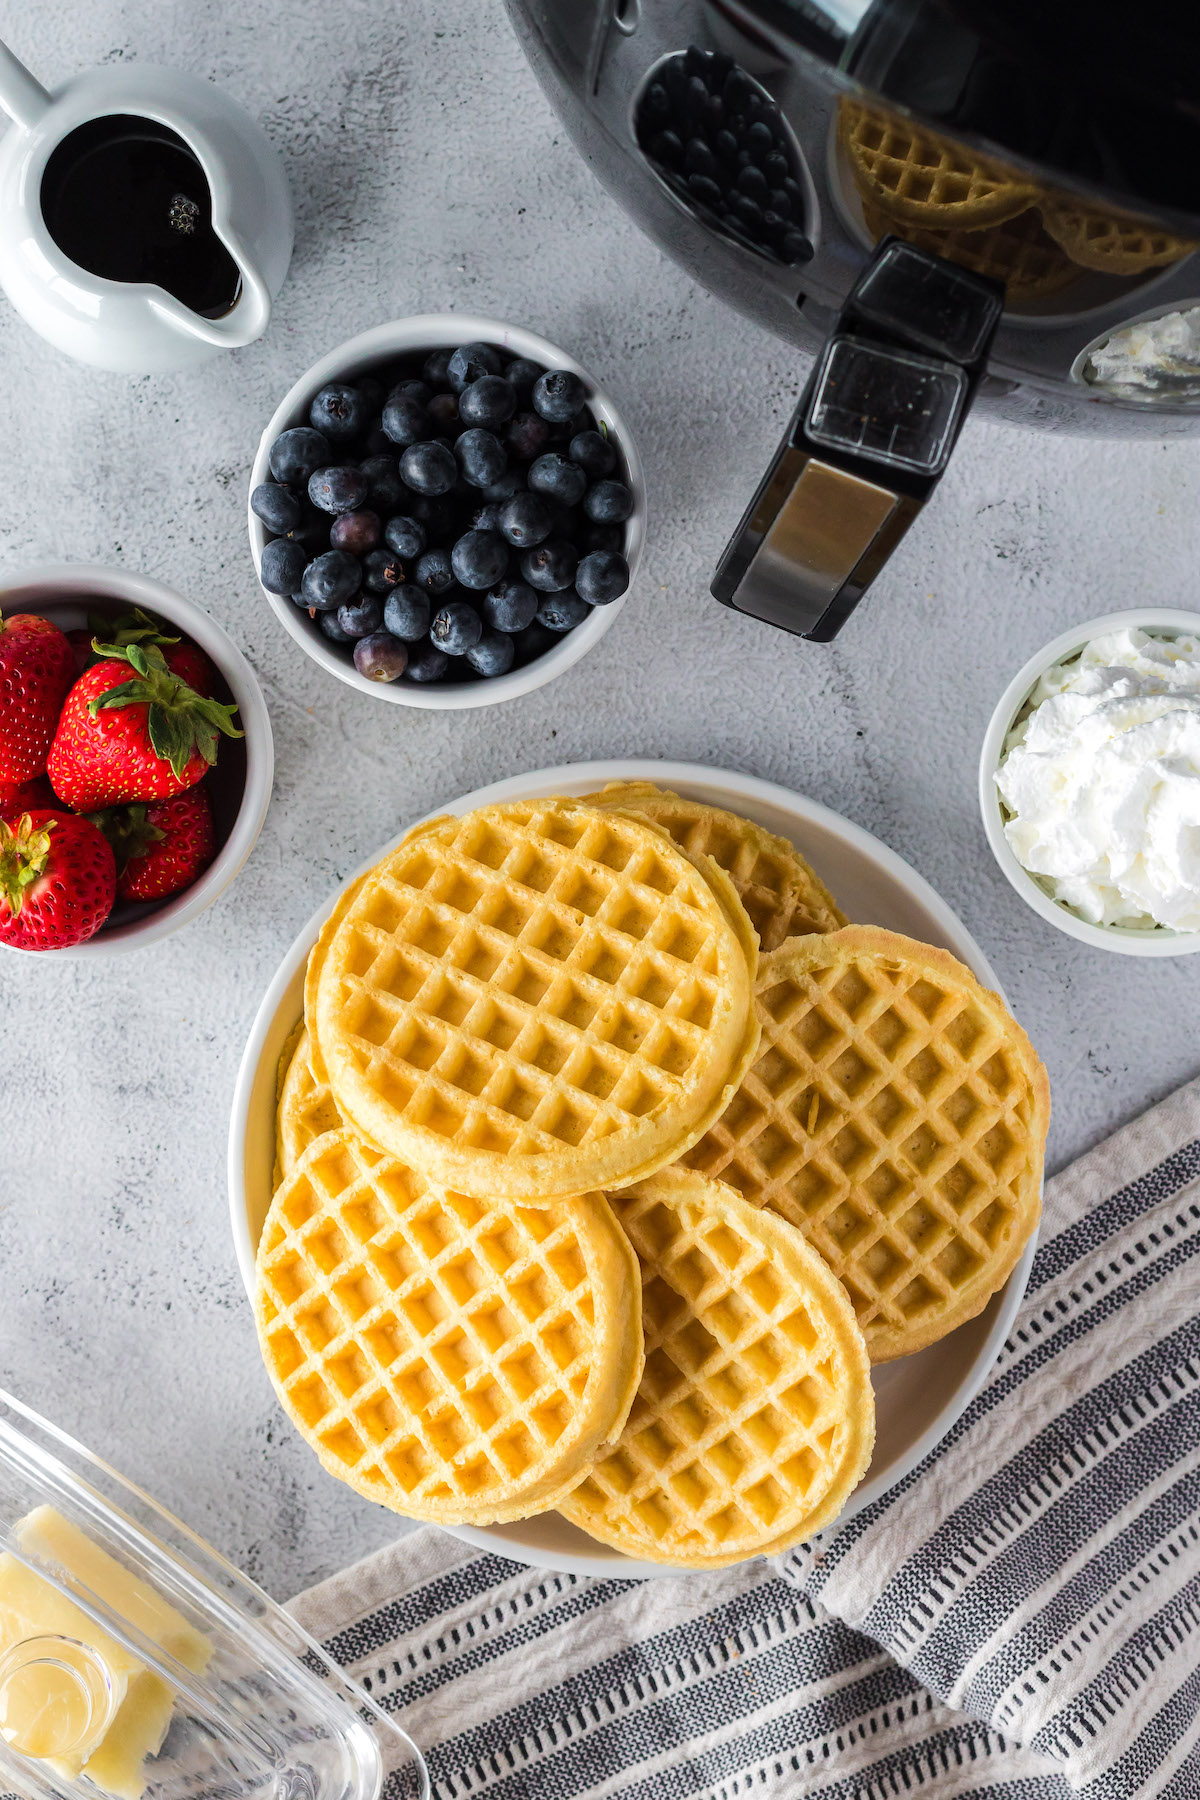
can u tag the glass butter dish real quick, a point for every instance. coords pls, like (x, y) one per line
(137, 1664)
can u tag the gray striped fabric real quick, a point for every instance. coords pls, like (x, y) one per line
(1017, 1620)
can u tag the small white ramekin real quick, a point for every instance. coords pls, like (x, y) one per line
(240, 784)
(361, 355)
(1124, 939)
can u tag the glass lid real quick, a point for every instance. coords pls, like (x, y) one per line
(136, 1663)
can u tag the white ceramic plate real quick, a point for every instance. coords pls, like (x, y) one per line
(918, 1398)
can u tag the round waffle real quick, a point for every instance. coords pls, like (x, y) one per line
(1113, 243)
(897, 1115)
(1016, 253)
(316, 962)
(537, 999)
(921, 178)
(305, 1107)
(754, 1419)
(457, 1360)
(781, 894)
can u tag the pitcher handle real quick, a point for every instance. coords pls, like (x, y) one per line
(23, 98)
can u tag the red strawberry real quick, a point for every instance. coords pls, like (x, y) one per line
(161, 847)
(131, 730)
(188, 661)
(181, 656)
(36, 669)
(57, 880)
(17, 797)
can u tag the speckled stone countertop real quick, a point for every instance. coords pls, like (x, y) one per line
(430, 174)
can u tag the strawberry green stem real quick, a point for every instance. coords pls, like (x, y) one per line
(24, 854)
(180, 722)
(128, 830)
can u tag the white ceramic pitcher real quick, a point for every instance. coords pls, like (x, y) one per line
(136, 326)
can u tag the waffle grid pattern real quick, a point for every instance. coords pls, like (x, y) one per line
(781, 894)
(307, 1109)
(528, 980)
(1017, 252)
(746, 1429)
(440, 1354)
(891, 1118)
(923, 179)
(1113, 244)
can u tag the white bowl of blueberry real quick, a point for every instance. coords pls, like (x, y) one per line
(446, 511)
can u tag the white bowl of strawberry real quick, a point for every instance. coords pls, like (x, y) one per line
(135, 760)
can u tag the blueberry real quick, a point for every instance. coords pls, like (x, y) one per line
(525, 520)
(479, 559)
(558, 395)
(405, 536)
(359, 618)
(608, 503)
(356, 532)
(493, 654)
(386, 490)
(434, 572)
(481, 457)
(333, 630)
(428, 468)
(562, 612)
(381, 570)
(380, 657)
(511, 482)
(510, 606)
(594, 454)
(372, 391)
(295, 455)
(486, 517)
(603, 537)
(533, 642)
(436, 368)
(406, 614)
(278, 510)
(490, 401)
(602, 576)
(283, 565)
(330, 580)
(558, 479)
(456, 626)
(377, 442)
(415, 390)
(443, 411)
(338, 489)
(522, 374)
(469, 363)
(405, 420)
(527, 435)
(426, 662)
(340, 412)
(551, 566)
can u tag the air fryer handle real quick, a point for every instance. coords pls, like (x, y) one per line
(874, 430)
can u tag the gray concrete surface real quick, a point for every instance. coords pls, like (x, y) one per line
(430, 173)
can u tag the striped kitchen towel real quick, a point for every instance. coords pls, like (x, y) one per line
(1017, 1620)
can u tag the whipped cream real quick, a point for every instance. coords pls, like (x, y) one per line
(1151, 360)
(1101, 777)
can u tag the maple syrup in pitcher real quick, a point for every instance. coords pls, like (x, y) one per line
(125, 199)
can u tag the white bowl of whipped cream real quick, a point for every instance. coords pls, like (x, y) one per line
(1089, 782)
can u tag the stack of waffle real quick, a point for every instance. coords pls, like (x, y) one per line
(581, 1202)
(985, 215)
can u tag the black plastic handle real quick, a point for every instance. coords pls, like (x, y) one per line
(877, 421)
